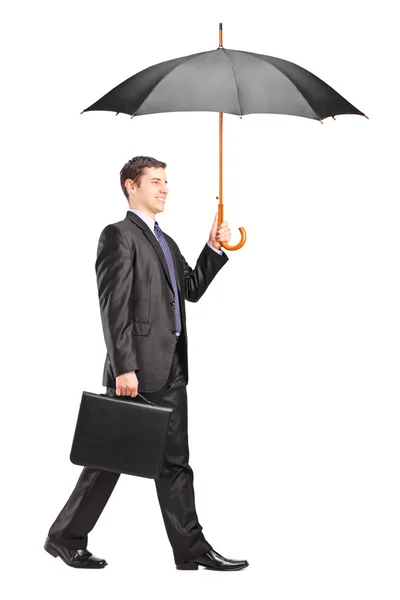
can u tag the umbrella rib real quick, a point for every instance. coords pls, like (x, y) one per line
(166, 74)
(234, 76)
(287, 77)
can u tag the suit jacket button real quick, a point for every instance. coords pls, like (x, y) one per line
(173, 302)
(174, 331)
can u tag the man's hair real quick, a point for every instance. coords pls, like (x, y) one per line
(134, 169)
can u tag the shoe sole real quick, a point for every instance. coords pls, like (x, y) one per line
(54, 552)
(194, 567)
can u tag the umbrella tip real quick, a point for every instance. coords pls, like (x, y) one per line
(240, 116)
(366, 117)
(132, 116)
(116, 114)
(82, 111)
(333, 118)
(321, 122)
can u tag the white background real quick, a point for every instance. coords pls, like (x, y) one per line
(294, 348)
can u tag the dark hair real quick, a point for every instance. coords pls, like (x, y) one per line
(134, 169)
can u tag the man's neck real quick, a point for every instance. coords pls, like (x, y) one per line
(149, 214)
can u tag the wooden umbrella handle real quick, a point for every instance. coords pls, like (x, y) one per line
(243, 234)
(240, 244)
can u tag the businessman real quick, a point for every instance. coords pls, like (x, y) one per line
(143, 281)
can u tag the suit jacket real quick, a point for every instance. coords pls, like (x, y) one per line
(137, 300)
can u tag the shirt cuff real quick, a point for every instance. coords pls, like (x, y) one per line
(215, 249)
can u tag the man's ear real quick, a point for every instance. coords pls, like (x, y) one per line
(129, 186)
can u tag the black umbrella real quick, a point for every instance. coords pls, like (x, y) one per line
(230, 81)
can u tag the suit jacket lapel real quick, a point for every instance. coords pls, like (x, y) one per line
(154, 242)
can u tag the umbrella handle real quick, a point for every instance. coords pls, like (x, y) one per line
(243, 239)
(243, 234)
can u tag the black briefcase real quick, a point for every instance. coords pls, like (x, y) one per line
(120, 434)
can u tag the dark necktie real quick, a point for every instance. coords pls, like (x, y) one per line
(168, 257)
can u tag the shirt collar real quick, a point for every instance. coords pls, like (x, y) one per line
(145, 217)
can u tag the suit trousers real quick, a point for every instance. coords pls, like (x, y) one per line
(174, 485)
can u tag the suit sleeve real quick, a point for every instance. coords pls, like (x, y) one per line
(215, 250)
(115, 273)
(198, 279)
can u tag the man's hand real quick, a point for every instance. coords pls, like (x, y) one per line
(127, 384)
(219, 234)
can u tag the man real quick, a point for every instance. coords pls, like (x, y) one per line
(143, 281)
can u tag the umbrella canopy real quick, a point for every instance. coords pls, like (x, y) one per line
(227, 81)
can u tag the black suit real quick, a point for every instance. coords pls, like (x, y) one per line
(138, 317)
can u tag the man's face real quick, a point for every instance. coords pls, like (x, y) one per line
(151, 195)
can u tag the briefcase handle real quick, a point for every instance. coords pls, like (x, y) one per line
(130, 398)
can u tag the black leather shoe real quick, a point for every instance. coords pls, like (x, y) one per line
(213, 560)
(79, 558)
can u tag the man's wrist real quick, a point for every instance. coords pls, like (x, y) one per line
(219, 250)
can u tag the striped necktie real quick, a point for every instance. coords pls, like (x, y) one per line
(168, 257)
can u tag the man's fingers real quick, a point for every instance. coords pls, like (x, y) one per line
(126, 385)
(126, 392)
